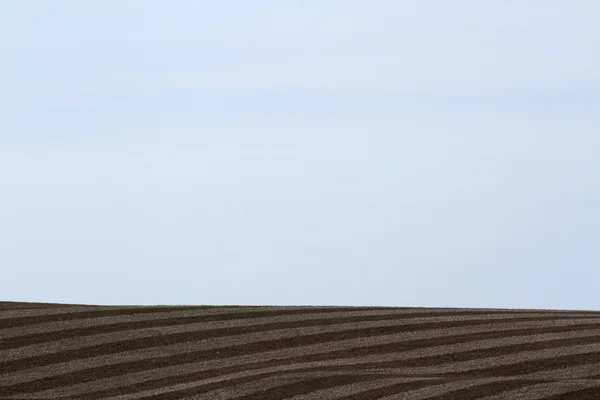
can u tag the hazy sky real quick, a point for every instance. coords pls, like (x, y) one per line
(331, 152)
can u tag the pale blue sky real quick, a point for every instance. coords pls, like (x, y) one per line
(384, 152)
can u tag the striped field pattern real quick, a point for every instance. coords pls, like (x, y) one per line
(82, 352)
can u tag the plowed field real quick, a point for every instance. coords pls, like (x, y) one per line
(82, 352)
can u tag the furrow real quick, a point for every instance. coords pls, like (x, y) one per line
(12, 305)
(480, 390)
(213, 314)
(564, 390)
(67, 314)
(288, 390)
(484, 349)
(589, 393)
(184, 366)
(566, 373)
(365, 390)
(16, 315)
(76, 346)
(516, 363)
(105, 324)
(162, 352)
(177, 325)
(86, 352)
(432, 391)
(395, 386)
(215, 389)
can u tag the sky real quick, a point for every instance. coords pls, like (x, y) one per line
(276, 152)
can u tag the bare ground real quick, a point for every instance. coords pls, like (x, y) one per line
(81, 352)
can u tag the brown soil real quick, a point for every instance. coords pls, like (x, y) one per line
(81, 352)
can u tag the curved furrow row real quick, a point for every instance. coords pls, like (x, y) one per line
(248, 385)
(571, 372)
(378, 387)
(265, 388)
(13, 305)
(179, 323)
(16, 316)
(347, 364)
(87, 313)
(360, 388)
(324, 353)
(221, 319)
(166, 353)
(76, 347)
(297, 352)
(41, 333)
(94, 325)
(471, 389)
(38, 316)
(562, 390)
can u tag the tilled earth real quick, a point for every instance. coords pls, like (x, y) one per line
(82, 352)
